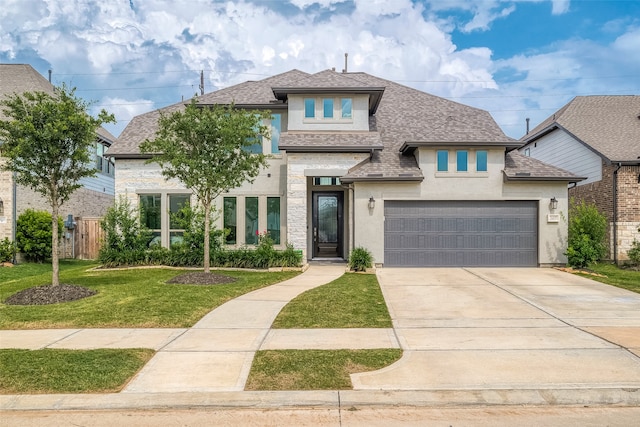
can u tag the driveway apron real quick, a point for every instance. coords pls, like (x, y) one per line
(508, 328)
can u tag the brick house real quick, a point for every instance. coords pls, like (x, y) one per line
(598, 137)
(91, 200)
(360, 161)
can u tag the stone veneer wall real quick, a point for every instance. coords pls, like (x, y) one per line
(297, 194)
(6, 194)
(600, 194)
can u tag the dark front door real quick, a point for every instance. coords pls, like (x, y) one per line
(327, 224)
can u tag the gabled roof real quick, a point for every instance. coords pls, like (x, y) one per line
(20, 78)
(607, 124)
(518, 167)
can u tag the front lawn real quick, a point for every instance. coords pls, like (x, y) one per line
(613, 275)
(314, 369)
(69, 371)
(125, 298)
(351, 301)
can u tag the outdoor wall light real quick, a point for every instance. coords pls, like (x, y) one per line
(553, 204)
(372, 203)
(1, 207)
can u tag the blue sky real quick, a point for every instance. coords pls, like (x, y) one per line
(516, 59)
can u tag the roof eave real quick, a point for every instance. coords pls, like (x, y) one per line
(410, 146)
(348, 180)
(513, 178)
(325, 149)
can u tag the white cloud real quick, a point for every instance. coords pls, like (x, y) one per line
(560, 6)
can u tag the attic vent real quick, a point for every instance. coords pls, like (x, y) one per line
(523, 173)
(405, 174)
(374, 174)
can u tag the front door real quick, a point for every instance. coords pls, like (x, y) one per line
(327, 224)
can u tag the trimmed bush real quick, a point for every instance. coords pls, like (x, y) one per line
(360, 259)
(634, 252)
(587, 234)
(34, 233)
(7, 250)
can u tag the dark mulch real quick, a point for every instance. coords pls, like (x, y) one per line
(201, 278)
(49, 294)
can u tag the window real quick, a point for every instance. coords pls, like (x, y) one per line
(273, 219)
(443, 160)
(481, 161)
(176, 227)
(309, 108)
(326, 180)
(527, 152)
(461, 158)
(327, 105)
(251, 220)
(150, 215)
(230, 220)
(346, 107)
(276, 129)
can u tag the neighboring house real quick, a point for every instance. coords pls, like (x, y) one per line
(359, 161)
(598, 137)
(92, 200)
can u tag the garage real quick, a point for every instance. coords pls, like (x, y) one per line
(461, 233)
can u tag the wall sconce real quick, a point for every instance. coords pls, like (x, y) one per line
(372, 203)
(553, 204)
(1, 208)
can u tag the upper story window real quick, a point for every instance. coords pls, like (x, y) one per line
(527, 152)
(103, 164)
(443, 160)
(461, 160)
(481, 161)
(327, 106)
(346, 105)
(276, 129)
(309, 108)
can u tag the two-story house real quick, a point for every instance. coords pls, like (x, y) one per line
(597, 137)
(360, 161)
(96, 194)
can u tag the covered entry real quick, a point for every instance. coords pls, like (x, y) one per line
(461, 233)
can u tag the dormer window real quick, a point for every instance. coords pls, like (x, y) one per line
(346, 104)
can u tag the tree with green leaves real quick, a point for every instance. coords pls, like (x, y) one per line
(209, 149)
(47, 140)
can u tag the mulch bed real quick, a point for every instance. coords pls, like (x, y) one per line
(201, 278)
(49, 294)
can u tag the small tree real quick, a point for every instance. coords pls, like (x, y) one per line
(47, 144)
(208, 150)
(587, 234)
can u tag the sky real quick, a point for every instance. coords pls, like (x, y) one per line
(517, 59)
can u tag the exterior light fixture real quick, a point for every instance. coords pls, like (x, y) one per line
(372, 203)
(1, 207)
(553, 204)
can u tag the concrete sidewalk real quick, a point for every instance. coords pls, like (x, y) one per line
(470, 337)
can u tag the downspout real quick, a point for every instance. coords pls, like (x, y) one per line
(615, 214)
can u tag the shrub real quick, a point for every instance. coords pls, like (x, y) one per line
(189, 250)
(634, 252)
(33, 234)
(360, 259)
(7, 250)
(125, 239)
(587, 233)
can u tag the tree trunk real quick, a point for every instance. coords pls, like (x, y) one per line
(55, 274)
(207, 233)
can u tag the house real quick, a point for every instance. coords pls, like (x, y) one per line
(97, 193)
(597, 137)
(360, 161)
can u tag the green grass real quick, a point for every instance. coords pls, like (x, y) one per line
(314, 369)
(69, 371)
(125, 298)
(616, 276)
(351, 301)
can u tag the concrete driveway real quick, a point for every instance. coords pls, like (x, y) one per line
(479, 329)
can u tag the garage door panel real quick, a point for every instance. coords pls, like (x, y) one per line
(461, 233)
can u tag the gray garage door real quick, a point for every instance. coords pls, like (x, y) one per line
(461, 233)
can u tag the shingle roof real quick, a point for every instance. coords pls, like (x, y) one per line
(337, 141)
(404, 115)
(20, 78)
(609, 124)
(518, 167)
